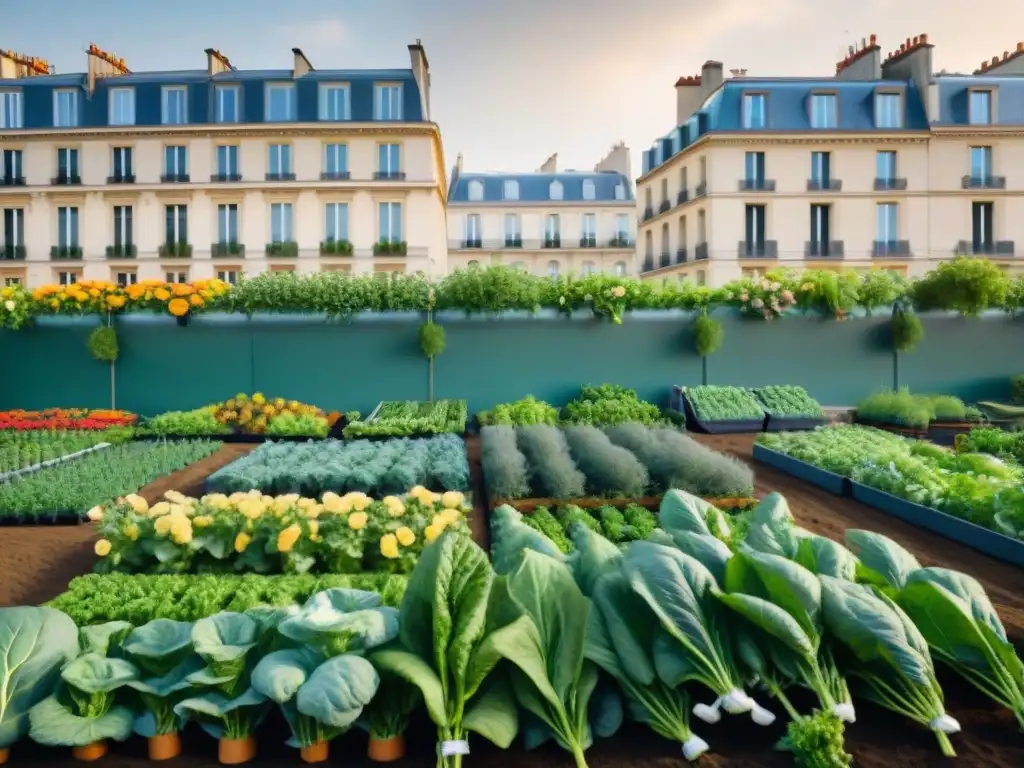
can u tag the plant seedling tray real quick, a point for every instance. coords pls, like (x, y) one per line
(792, 423)
(802, 470)
(733, 427)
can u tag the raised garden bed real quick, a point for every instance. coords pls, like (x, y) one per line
(984, 540)
(920, 434)
(719, 427)
(791, 423)
(33, 468)
(945, 432)
(828, 481)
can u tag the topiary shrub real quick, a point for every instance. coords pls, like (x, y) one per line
(964, 284)
(907, 330)
(432, 339)
(708, 335)
(102, 344)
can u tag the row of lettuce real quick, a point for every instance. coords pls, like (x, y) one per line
(971, 482)
(967, 285)
(700, 618)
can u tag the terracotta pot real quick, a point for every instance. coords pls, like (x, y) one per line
(90, 752)
(317, 753)
(166, 746)
(5, 753)
(386, 750)
(236, 751)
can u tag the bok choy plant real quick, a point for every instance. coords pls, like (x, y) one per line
(954, 614)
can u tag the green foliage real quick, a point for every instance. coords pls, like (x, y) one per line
(717, 403)
(1017, 389)
(98, 598)
(817, 741)
(520, 413)
(906, 329)
(505, 469)
(553, 473)
(829, 291)
(708, 335)
(881, 288)
(897, 407)
(97, 478)
(432, 339)
(965, 284)
(375, 468)
(788, 400)
(610, 469)
(198, 423)
(403, 418)
(19, 450)
(102, 344)
(608, 404)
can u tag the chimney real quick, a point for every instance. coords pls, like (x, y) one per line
(217, 62)
(550, 165)
(301, 66)
(688, 98)
(458, 164)
(911, 61)
(103, 64)
(710, 78)
(616, 161)
(421, 72)
(863, 62)
(1011, 63)
(14, 65)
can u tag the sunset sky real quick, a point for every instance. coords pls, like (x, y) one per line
(517, 80)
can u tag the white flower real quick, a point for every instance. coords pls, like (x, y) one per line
(561, 300)
(588, 297)
(757, 303)
(776, 286)
(10, 306)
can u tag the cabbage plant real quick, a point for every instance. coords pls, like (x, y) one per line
(324, 682)
(34, 644)
(162, 651)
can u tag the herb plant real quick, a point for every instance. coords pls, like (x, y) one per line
(717, 403)
(608, 404)
(521, 413)
(610, 469)
(402, 419)
(505, 468)
(788, 400)
(553, 473)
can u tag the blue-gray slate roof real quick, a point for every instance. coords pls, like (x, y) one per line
(787, 109)
(536, 187)
(38, 94)
(1009, 104)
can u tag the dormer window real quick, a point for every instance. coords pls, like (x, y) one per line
(511, 191)
(888, 110)
(476, 191)
(980, 107)
(555, 191)
(824, 110)
(589, 192)
(620, 192)
(755, 111)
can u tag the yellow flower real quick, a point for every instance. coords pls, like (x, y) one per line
(389, 546)
(432, 531)
(241, 542)
(416, 490)
(162, 294)
(314, 511)
(357, 521)
(102, 548)
(405, 536)
(181, 532)
(357, 501)
(314, 528)
(452, 499)
(132, 531)
(450, 516)
(162, 526)
(95, 514)
(176, 497)
(395, 506)
(304, 503)
(202, 521)
(440, 520)
(335, 504)
(251, 509)
(428, 498)
(217, 501)
(286, 539)
(160, 509)
(137, 503)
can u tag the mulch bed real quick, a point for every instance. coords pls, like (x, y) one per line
(37, 563)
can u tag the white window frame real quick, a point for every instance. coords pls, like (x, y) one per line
(552, 226)
(283, 214)
(620, 269)
(17, 163)
(127, 161)
(893, 236)
(882, 116)
(12, 108)
(131, 277)
(390, 94)
(17, 216)
(219, 112)
(989, 117)
(748, 102)
(179, 153)
(472, 227)
(392, 167)
(326, 101)
(122, 232)
(340, 154)
(553, 269)
(336, 214)
(556, 191)
(73, 117)
(280, 152)
(229, 276)
(986, 153)
(475, 191)
(513, 227)
(291, 103)
(165, 104)
(391, 207)
(230, 168)
(176, 277)
(622, 225)
(511, 189)
(831, 116)
(589, 268)
(588, 226)
(620, 191)
(177, 234)
(68, 237)
(589, 189)
(227, 223)
(67, 277)
(120, 114)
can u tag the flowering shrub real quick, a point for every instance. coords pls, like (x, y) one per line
(15, 307)
(251, 532)
(65, 418)
(766, 297)
(90, 296)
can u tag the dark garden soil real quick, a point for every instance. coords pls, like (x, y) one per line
(37, 563)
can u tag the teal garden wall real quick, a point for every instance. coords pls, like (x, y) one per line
(347, 365)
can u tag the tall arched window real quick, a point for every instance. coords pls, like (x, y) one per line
(476, 190)
(664, 239)
(648, 244)
(555, 191)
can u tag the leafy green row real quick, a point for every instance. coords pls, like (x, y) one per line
(97, 478)
(718, 403)
(375, 468)
(99, 598)
(599, 406)
(788, 400)
(19, 450)
(634, 523)
(411, 417)
(903, 409)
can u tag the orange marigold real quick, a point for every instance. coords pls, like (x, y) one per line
(181, 289)
(196, 300)
(162, 294)
(178, 307)
(116, 302)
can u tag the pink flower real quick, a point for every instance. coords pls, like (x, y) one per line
(787, 296)
(744, 297)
